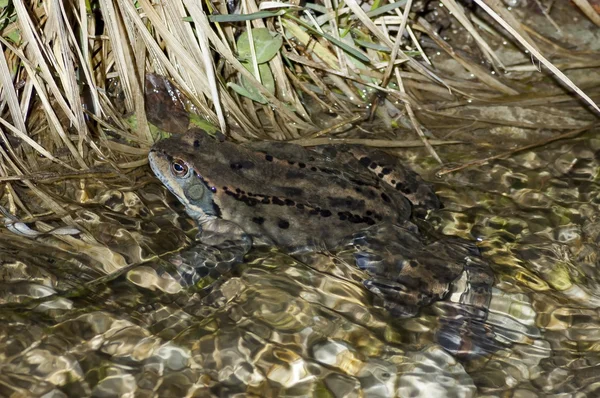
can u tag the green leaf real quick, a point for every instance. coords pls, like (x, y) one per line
(316, 7)
(386, 8)
(14, 36)
(266, 78)
(266, 45)
(372, 46)
(131, 121)
(245, 17)
(242, 91)
(352, 51)
(157, 133)
(202, 123)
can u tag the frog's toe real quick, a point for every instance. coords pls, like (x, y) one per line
(467, 335)
(397, 298)
(370, 262)
(201, 264)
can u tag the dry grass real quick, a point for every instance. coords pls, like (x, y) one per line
(62, 63)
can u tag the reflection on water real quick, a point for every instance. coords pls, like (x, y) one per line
(100, 313)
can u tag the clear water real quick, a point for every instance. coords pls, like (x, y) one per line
(96, 314)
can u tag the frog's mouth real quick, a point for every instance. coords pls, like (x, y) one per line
(160, 164)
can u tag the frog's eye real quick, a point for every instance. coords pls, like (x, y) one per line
(179, 168)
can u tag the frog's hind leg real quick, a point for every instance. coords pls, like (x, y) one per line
(404, 271)
(463, 327)
(408, 274)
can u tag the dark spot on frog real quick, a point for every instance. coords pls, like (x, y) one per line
(258, 220)
(313, 169)
(196, 143)
(249, 201)
(403, 188)
(346, 215)
(355, 218)
(283, 224)
(289, 202)
(413, 263)
(369, 213)
(386, 171)
(299, 206)
(276, 201)
(365, 161)
(385, 197)
(245, 164)
(291, 163)
(393, 182)
(265, 201)
(301, 165)
(380, 175)
(241, 196)
(268, 158)
(325, 213)
(327, 171)
(314, 212)
(373, 165)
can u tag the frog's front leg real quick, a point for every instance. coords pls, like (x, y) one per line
(219, 245)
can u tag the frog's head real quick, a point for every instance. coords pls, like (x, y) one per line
(176, 161)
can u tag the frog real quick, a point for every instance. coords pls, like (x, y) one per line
(305, 199)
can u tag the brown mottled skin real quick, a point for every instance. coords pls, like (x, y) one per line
(286, 195)
(297, 198)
